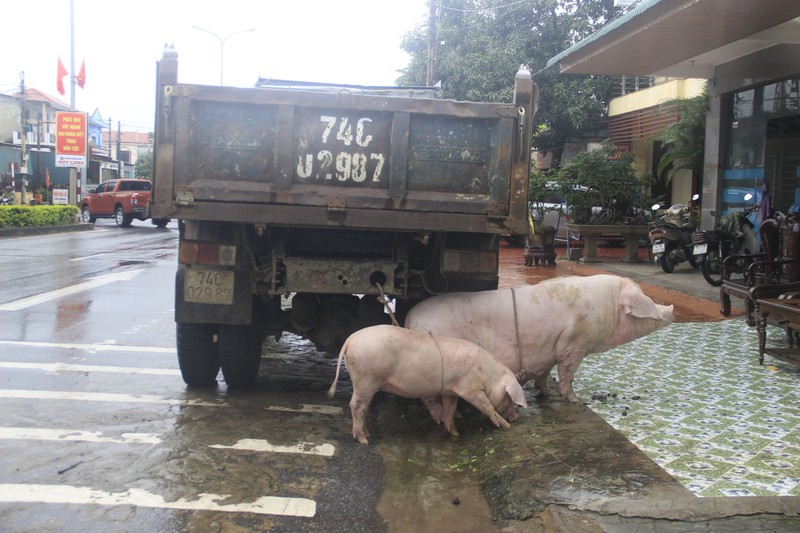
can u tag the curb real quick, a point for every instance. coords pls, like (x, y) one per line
(7, 233)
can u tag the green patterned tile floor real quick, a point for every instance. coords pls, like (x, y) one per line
(694, 398)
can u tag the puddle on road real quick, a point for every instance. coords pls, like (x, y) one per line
(430, 484)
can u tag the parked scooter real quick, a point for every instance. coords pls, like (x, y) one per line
(8, 196)
(732, 234)
(671, 236)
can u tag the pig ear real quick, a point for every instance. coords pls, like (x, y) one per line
(515, 392)
(634, 302)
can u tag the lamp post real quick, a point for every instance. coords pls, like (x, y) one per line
(222, 45)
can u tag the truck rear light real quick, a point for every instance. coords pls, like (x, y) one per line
(198, 253)
(135, 198)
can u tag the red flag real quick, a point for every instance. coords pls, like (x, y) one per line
(47, 178)
(60, 76)
(81, 77)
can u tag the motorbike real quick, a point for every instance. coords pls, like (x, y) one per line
(733, 233)
(671, 236)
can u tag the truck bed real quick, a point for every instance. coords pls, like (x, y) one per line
(309, 158)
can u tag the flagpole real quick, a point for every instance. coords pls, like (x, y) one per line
(75, 188)
(72, 55)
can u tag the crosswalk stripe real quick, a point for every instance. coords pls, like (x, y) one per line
(66, 367)
(258, 445)
(10, 433)
(67, 494)
(101, 397)
(91, 347)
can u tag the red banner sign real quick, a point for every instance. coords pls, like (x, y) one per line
(71, 135)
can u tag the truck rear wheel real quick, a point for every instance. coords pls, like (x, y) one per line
(198, 353)
(122, 220)
(240, 354)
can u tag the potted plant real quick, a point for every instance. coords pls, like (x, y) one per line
(540, 243)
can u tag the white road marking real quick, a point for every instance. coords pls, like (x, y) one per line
(65, 367)
(258, 445)
(9, 433)
(306, 408)
(102, 347)
(60, 494)
(85, 257)
(98, 281)
(100, 397)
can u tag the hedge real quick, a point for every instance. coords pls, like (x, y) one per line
(26, 216)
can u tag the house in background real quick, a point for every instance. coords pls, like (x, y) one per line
(749, 51)
(33, 117)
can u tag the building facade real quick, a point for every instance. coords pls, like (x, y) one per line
(749, 51)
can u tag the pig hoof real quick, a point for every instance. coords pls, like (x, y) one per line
(361, 438)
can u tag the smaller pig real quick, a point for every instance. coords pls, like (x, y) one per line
(417, 365)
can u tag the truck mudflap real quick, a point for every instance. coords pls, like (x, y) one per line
(213, 295)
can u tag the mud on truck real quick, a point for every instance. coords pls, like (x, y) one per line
(300, 206)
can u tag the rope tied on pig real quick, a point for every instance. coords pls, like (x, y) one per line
(516, 324)
(385, 301)
(441, 361)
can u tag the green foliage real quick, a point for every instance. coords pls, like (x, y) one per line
(481, 44)
(26, 216)
(539, 191)
(144, 166)
(604, 178)
(685, 139)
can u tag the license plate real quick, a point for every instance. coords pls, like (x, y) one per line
(700, 249)
(659, 248)
(208, 286)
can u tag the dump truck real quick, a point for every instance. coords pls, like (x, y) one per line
(310, 208)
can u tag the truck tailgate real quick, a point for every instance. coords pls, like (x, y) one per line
(306, 158)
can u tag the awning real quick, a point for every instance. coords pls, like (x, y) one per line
(682, 38)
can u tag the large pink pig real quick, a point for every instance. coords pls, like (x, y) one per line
(554, 323)
(437, 369)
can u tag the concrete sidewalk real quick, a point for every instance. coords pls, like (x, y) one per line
(576, 473)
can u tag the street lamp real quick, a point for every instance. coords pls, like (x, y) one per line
(222, 45)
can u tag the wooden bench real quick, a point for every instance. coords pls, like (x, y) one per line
(592, 233)
(784, 312)
(778, 264)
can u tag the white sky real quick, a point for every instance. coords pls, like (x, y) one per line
(338, 41)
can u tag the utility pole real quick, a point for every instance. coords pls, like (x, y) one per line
(110, 158)
(432, 43)
(119, 149)
(23, 122)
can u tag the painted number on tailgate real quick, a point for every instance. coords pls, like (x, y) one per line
(207, 286)
(341, 148)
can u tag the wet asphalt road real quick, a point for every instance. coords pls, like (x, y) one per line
(99, 433)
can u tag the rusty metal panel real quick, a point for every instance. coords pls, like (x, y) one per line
(342, 148)
(230, 142)
(238, 151)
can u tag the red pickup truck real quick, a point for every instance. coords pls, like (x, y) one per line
(123, 200)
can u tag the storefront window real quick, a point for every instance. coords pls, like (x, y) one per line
(755, 116)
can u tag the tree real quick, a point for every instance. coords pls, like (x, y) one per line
(685, 139)
(604, 179)
(144, 165)
(481, 44)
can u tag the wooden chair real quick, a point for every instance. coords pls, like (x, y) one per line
(777, 264)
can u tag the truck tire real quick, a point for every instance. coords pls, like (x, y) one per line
(198, 353)
(86, 214)
(160, 222)
(122, 220)
(239, 354)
